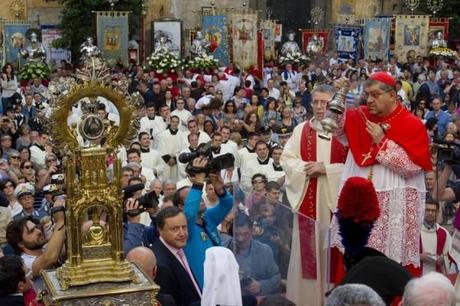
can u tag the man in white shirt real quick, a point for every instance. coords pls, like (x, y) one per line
(27, 239)
(183, 114)
(171, 143)
(435, 241)
(228, 145)
(262, 164)
(38, 152)
(134, 162)
(192, 126)
(152, 124)
(248, 152)
(150, 158)
(272, 91)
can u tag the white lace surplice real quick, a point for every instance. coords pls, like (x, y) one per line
(400, 187)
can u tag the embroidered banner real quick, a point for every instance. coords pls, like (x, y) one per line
(315, 40)
(53, 55)
(14, 34)
(112, 36)
(411, 36)
(244, 39)
(268, 28)
(347, 41)
(377, 38)
(438, 25)
(216, 32)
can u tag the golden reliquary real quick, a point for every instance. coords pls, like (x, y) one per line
(95, 272)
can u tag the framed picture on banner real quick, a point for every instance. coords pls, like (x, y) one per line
(171, 30)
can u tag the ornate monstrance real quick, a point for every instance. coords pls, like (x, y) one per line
(95, 270)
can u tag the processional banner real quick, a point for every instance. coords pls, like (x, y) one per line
(377, 38)
(14, 35)
(112, 36)
(54, 55)
(268, 28)
(244, 39)
(411, 36)
(438, 25)
(316, 37)
(347, 41)
(216, 32)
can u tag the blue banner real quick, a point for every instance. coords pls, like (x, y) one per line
(377, 38)
(112, 36)
(215, 31)
(14, 40)
(347, 42)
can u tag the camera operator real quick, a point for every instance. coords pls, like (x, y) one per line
(136, 233)
(202, 222)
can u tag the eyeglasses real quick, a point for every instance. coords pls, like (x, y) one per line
(28, 167)
(50, 160)
(374, 95)
(15, 157)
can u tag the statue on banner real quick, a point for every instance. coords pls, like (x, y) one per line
(290, 46)
(439, 41)
(315, 44)
(200, 46)
(34, 51)
(161, 46)
(88, 49)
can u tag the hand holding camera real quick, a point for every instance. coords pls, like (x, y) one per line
(133, 210)
(200, 163)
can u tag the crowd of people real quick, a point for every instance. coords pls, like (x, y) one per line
(240, 159)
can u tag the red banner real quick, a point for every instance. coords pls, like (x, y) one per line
(260, 53)
(439, 24)
(307, 35)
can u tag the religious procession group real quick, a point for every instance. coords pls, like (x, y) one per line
(313, 176)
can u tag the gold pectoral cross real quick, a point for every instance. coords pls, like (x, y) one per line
(366, 156)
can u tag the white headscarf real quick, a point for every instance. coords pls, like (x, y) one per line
(221, 280)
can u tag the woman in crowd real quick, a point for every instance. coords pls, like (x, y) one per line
(9, 87)
(299, 111)
(209, 127)
(251, 123)
(24, 137)
(7, 187)
(271, 113)
(28, 172)
(24, 153)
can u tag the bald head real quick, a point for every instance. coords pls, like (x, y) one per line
(145, 259)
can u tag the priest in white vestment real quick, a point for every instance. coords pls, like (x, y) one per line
(171, 143)
(153, 125)
(313, 166)
(193, 129)
(150, 158)
(183, 114)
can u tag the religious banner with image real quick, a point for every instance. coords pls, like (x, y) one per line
(438, 25)
(314, 40)
(244, 39)
(347, 42)
(54, 56)
(215, 30)
(377, 38)
(112, 36)
(411, 36)
(268, 35)
(14, 39)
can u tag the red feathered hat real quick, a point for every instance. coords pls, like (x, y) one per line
(358, 201)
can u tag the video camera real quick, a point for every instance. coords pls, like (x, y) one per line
(148, 200)
(215, 164)
(448, 152)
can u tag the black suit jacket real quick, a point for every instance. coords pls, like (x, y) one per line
(172, 277)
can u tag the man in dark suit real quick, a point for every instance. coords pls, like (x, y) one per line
(174, 275)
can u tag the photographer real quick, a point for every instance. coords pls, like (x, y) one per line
(136, 207)
(202, 222)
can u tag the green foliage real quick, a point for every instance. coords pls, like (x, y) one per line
(78, 20)
(32, 70)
